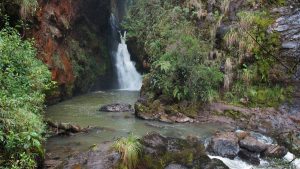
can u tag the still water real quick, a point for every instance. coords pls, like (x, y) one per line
(83, 111)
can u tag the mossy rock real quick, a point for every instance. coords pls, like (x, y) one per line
(189, 153)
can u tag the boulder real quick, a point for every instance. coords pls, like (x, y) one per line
(118, 107)
(252, 144)
(186, 153)
(275, 151)
(224, 144)
(250, 157)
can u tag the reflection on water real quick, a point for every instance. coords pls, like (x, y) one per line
(83, 110)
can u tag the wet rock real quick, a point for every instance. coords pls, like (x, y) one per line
(252, 144)
(224, 144)
(118, 107)
(249, 157)
(275, 151)
(101, 157)
(175, 166)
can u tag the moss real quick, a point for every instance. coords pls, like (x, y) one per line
(185, 153)
(234, 114)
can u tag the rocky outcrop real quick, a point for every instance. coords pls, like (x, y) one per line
(71, 39)
(288, 25)
(118, 107)
(249, 146)
(277, 123)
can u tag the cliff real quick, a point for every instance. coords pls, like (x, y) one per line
(71, 37)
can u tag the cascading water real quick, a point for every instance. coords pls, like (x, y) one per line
(128, 77)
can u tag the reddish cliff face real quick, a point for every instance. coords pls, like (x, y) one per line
(71, 40)
(47, 37)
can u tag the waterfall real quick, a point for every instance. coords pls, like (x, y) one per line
(128, 77)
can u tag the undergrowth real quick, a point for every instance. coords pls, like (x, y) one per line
(23, 80)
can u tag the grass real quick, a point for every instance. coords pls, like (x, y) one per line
(130, 149)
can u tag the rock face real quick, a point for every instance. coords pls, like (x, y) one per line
(162, 152)
(224, 144)
(71, 41)
(288, 27)
(118, 107)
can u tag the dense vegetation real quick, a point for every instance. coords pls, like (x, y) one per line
(23, 80)
(192, 59)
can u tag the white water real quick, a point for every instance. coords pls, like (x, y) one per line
(128, 77)
(237, 163)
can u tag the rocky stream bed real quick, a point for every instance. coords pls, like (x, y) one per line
(269, 138)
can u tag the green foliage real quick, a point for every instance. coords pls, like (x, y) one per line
(255, 50)
(23, 80)
(258, 96)
(178, 53)
(130, 149)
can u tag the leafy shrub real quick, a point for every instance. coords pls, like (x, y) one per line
(178, 53)
(23, 80)
(130, 149)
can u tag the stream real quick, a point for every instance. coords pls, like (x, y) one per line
(84, 111)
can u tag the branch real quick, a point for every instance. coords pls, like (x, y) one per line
(268, 52)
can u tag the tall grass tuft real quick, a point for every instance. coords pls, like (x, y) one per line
(130, 149)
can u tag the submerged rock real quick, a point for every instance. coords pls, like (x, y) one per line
(224, 145)
(117, 107)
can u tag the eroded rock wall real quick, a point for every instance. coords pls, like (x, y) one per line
(71, 37)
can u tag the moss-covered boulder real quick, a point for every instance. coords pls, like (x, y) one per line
(162, 152)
